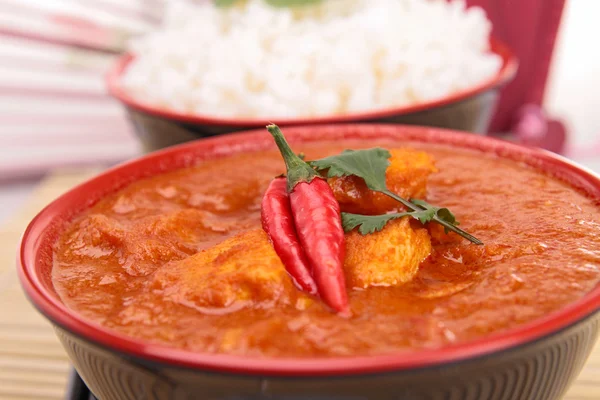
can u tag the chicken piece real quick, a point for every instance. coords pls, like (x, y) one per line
(159, 239)
(243, 271)
(386, 258)
(94, 235)
(406, 176)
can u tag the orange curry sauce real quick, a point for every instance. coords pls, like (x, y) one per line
(542, 251)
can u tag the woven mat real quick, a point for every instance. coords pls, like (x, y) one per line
(33, 365)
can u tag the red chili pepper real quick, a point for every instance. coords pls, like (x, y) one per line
(318, 224)
(277, 221)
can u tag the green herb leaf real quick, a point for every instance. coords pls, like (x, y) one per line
(442, 213)
(423, 216)
(367, 223)
(374, 223)
(370, 165)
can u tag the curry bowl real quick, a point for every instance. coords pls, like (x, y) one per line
(469, 110)
(534, 360)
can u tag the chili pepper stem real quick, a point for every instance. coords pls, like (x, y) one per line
(297, 170)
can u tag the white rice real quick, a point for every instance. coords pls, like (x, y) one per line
(340, 57)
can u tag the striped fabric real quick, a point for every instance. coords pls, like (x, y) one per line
(54, 109)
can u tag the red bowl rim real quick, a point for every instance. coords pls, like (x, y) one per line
(504, 75)
(31, 246)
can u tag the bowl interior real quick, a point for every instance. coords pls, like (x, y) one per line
(35, 255)
(504, 75)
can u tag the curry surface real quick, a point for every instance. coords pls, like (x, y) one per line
(541, 252)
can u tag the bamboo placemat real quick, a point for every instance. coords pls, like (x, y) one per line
(33, 365)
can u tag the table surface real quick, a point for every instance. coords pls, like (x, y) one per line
(33, 364)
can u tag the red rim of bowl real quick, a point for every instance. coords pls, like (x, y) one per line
(33, 246)
(504, 75)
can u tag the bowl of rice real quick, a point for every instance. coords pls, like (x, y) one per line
(214, 68)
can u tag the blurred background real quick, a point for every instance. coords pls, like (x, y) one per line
(56, 114)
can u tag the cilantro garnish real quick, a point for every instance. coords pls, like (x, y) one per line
(374, 223)
(370, 165)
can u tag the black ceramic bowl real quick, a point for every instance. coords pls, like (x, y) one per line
(535, 361)
(470, 110)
